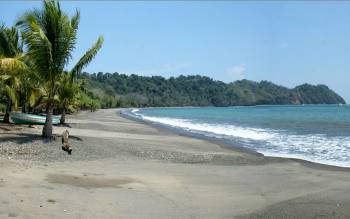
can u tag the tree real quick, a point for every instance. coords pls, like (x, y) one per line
(50, 36)
(68, 95)
(12, 65)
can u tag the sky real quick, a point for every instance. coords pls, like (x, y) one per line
(286, 42)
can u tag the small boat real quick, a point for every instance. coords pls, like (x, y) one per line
(53, 116)
(25, 118)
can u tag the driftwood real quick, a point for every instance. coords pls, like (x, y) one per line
(66, 146)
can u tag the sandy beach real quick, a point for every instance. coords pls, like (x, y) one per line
(121, 168)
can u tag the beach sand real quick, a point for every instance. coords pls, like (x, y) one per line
(121, 168)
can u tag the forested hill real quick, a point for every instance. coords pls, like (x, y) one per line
(119, 90)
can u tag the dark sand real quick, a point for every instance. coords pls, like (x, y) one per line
(124, 169)
(86, 181)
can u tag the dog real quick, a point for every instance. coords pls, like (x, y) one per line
(66, 146)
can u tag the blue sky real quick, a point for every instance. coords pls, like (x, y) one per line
(288, 43)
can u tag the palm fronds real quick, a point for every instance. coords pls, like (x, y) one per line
(50, 36)
(87, 57)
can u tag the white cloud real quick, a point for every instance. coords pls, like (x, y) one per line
(236, 72)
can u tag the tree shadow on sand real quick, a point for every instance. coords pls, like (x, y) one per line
(75, 138)
(23, 138)
(10, 127)
(64, 125)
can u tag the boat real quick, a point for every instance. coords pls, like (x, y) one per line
(25, 118)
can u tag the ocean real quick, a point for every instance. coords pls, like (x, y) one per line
(318, 133)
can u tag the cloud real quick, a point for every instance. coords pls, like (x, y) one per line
(236, 72)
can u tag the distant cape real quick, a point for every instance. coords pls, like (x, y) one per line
(119, 90)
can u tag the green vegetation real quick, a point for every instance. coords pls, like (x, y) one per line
(12, 66)
(119, 90)
(36, 77)
(33, 77)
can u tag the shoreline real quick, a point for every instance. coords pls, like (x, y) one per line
(128, 169)
(226, 144)
(180, 132)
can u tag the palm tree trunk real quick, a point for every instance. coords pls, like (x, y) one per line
(24, 108)
(63, 116)
(8, 110)
(47, 129)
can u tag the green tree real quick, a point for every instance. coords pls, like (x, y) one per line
(68, 95)
(50, 36)
(12, 65)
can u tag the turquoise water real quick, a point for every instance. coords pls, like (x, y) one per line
(319, 133)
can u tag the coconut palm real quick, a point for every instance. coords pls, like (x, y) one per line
(29, 91)
(12, 65)
(68, 95)
(9, 83)
(50, 36)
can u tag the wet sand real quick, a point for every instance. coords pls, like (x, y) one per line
(124, 169)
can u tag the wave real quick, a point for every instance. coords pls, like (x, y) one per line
(331, 150)
(217, 129)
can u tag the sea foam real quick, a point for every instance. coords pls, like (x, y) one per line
(332, 150)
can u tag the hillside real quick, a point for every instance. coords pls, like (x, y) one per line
(119, 90)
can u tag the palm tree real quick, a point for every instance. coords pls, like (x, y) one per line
(50, 36)
(29, 91)
(68, 95)
(10, 84)
(12, 65)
